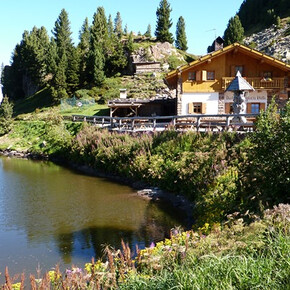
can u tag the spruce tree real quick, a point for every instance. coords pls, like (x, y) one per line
(118, 25)
(148, 31)
(234, 31)
(67, 55)
(99, 47)
(164, 22)
(6, 111)
(181, 40)
(84, 52)
(62, 34)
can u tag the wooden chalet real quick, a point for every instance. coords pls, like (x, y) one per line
(201, 85)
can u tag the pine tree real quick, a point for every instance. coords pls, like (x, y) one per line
(62, 34)
(148, 31)
(130, 43)
(6, 111)
(84, 52)
(99, 47)
(164, 22)
(67, 63)
(110, 26)
(234, 31)
(118, 25)
(181, 40)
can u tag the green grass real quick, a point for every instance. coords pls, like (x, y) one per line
(94, 110)
(40, 100)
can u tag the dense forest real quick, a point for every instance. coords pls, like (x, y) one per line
(259, 14)
(102, 52)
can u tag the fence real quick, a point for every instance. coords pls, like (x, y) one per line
(185, 122)
(67, 104)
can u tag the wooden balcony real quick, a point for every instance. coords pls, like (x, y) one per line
(259, 83)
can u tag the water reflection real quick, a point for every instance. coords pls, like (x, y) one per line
(52, 215)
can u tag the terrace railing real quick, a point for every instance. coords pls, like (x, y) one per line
(258, 83)
(196, 122)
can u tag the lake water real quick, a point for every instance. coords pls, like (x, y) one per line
(52, 215)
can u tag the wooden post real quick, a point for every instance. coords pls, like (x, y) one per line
(154, 124)
(198, 123)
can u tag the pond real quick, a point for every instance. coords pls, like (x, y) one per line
(52, 215)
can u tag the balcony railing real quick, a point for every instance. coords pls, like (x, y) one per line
(259, 83)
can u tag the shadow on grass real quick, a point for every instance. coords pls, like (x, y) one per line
(41, 99)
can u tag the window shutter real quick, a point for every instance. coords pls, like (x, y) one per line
(198, 76)
(190, 108)
(248, 108)
(203, 108)
(204, 75)
(227, 108)
(262, 107)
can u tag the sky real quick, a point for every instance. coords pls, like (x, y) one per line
(204, 19)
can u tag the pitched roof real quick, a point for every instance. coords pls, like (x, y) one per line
(241, 47)
(239, 84)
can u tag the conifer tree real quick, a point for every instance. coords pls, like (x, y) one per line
(164, 22)
(6, 111)
(126, 30)
(110, 26)
(67, 56)
(181, 40)
(118, 25)
(148, 31)
(234, 31)
(130, 43)
(99, 46)
(62, 34)
(84, 52)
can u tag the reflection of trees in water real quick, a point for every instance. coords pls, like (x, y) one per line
(89, 242)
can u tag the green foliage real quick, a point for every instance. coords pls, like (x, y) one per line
(258, 14)
(6, 111)
(148, 31)
(268, 172)
(181, 40)
(232, 256)
(164, 22)
(118, 29)
(234, 31)
(174, 62)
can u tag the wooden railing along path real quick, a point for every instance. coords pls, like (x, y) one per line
(201, 122)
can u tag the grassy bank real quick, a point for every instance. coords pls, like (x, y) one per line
(235, 256)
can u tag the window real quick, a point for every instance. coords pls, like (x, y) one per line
(196, 108)
(210, 76)
(255, 108)
(192, 76)
(267, 74)
(240, 69)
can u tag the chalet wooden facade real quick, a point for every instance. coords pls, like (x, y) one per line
(200, 86)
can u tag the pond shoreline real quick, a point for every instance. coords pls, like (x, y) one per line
(143, 190)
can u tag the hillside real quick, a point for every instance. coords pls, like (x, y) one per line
(257, 15)
(273, 41)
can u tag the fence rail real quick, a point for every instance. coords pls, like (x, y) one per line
(219, 122)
